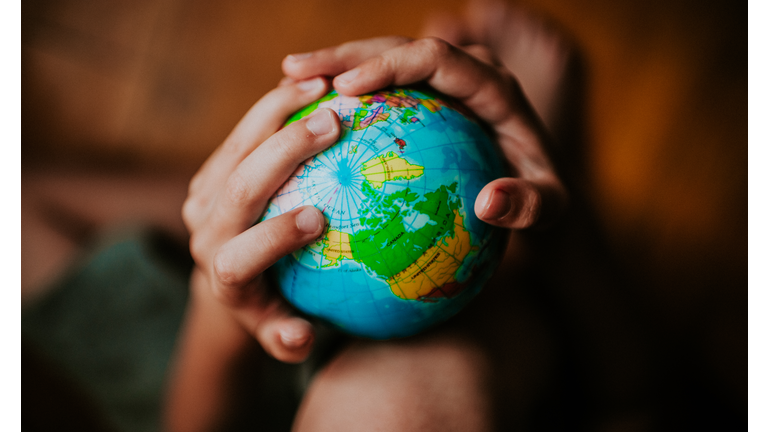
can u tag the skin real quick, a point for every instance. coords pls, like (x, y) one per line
(231, 303)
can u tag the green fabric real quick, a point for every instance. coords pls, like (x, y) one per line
(111, 324)
(109, 327)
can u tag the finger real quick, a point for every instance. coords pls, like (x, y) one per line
(495, 97)
(489, 91)
(243, 198)
(270, 320)
(268, 115)
(516, 203)
(401, 61)
(249, 254)
(286, 81)
(265, 317)
(238, 265)
(255, 180)
(335, 60)
(261, 121)
(284, 336)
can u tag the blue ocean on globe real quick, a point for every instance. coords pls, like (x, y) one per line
(402, 250)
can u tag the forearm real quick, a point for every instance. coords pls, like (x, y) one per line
(203, 379)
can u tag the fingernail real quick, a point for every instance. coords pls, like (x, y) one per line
(293, 341)
(312, 84)
(498, 205)
(299, 57)
(295, 336)
(310, 221)
(348, 76)
(321, 123)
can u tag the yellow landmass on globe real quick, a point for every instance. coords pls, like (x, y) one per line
(388, 167)
(336, 246)
(435, 268)
(433, 105)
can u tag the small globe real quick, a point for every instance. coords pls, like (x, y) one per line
(402, 249)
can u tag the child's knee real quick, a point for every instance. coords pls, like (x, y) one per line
(431, 383)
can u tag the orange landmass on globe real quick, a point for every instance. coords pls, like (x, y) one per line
(398, 99)
(336, 246)
(395, 99)
(433, 275)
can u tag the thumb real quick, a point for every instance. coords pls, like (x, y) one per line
(515, 203)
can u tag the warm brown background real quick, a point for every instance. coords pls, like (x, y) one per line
(158, 84)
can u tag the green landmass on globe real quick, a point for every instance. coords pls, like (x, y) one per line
(403, 249)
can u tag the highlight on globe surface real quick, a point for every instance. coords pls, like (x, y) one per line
(402, 249)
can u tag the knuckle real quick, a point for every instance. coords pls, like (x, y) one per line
(188, 212)
(198, 248)
(191, 212)
(273, 96)
(196, 184)
(282, 96)
(274, 101)
(225, 270)
(436, 47)
(346, 48)
(531, 210)
(535, 207)
(390, 42)
(234, 145)
(295, 143)
(237, 190)
(386, 63)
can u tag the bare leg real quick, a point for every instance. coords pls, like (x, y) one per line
(433, 383)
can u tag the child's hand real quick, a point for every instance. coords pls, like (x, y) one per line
(471, 76)
(230, 193)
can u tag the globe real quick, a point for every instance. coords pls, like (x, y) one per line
(402, 249)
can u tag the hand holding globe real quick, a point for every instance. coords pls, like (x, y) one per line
(234, 186)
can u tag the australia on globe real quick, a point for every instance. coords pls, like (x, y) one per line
(402, 249)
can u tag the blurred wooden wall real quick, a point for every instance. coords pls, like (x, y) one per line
(161, 83)
(666, 147)
(166, 80)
